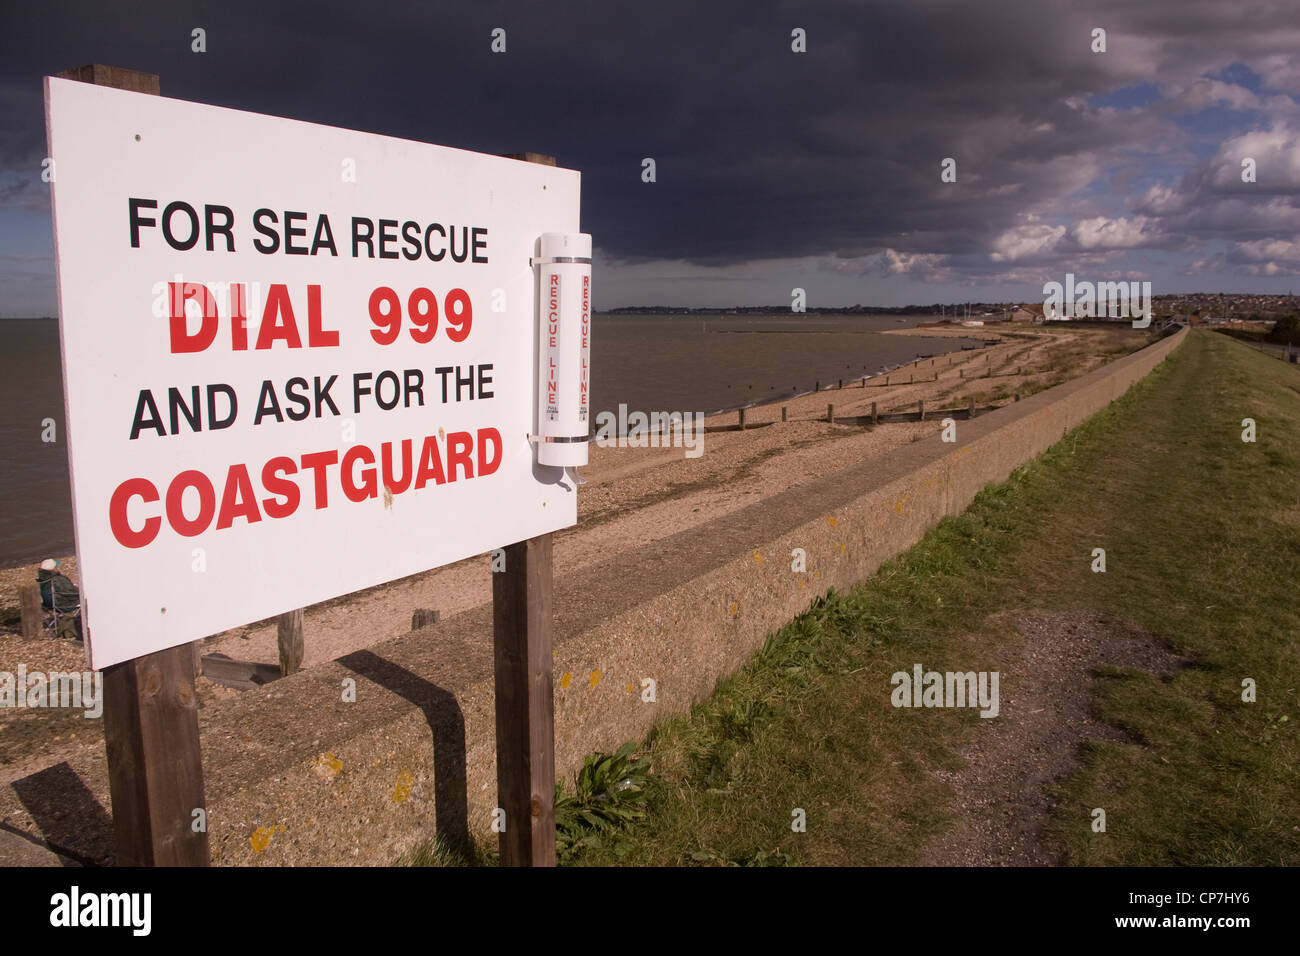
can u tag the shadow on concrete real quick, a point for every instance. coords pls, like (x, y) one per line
(67, 815)
(443, 713)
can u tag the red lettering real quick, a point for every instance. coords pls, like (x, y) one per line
(386, 452)
(182, 525)
(238, 499)
(238, 318)
(276, 485)
(486, 465)
(132, 488)
(367, 487)
(277, 319)
(459, 446)
(316, 336)
(318, 462)
(430, 463)
(182, 341)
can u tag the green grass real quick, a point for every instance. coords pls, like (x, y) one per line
(1202, 534)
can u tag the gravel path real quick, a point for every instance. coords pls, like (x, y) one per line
(1046, 714)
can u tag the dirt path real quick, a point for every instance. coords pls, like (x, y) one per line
(1046, 715)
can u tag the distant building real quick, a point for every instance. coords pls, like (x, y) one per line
(1027, 313)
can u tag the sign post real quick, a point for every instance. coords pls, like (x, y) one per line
(525, 713)
(295, 367)
(151, 719)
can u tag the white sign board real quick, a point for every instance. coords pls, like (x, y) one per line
(298, 361)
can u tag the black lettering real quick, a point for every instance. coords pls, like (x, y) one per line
(323, 396)
(154, 421)
(379, 389)
(412, 251)
(290, 233)
(484, 380)
(428, 249)
(219, 229)
(267, 403)
(368, 238)
(167, 225)
(323, 229)
(464, 244)
(468, 380)
(358, 389)
(480, 242)
(274, 244)
(387, 234)
(415, 388)
(444, 372)
(296, 399)
(193, 415)
(133, 207)
(213, 422)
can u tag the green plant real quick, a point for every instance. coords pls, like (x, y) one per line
(610, 796)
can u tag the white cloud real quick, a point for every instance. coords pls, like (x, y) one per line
(1025, 241)
(1103, 232)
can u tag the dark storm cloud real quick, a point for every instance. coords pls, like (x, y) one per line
(760, 152)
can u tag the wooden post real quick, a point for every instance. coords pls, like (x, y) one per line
(155, 770)
(742, 419)
(817, 386)
(151, 718)
(525, 702)
(33, 615)
(423, 617)
(785, 413)
(961, 373)
(875, 417)
(841, 385)
(970, 407)
(521, 616)
(830, 414)
(921, 409)
(1017, 396)
(288, 633)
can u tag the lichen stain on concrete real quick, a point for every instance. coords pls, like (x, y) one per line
(402, 792)
(593, 680)
(565, 679)
(758, 557)
(261, 837)
(832, 521)
(327, 766)
(734, 609)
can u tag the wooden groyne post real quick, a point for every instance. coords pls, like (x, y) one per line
(288, 635)
(33, 617)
